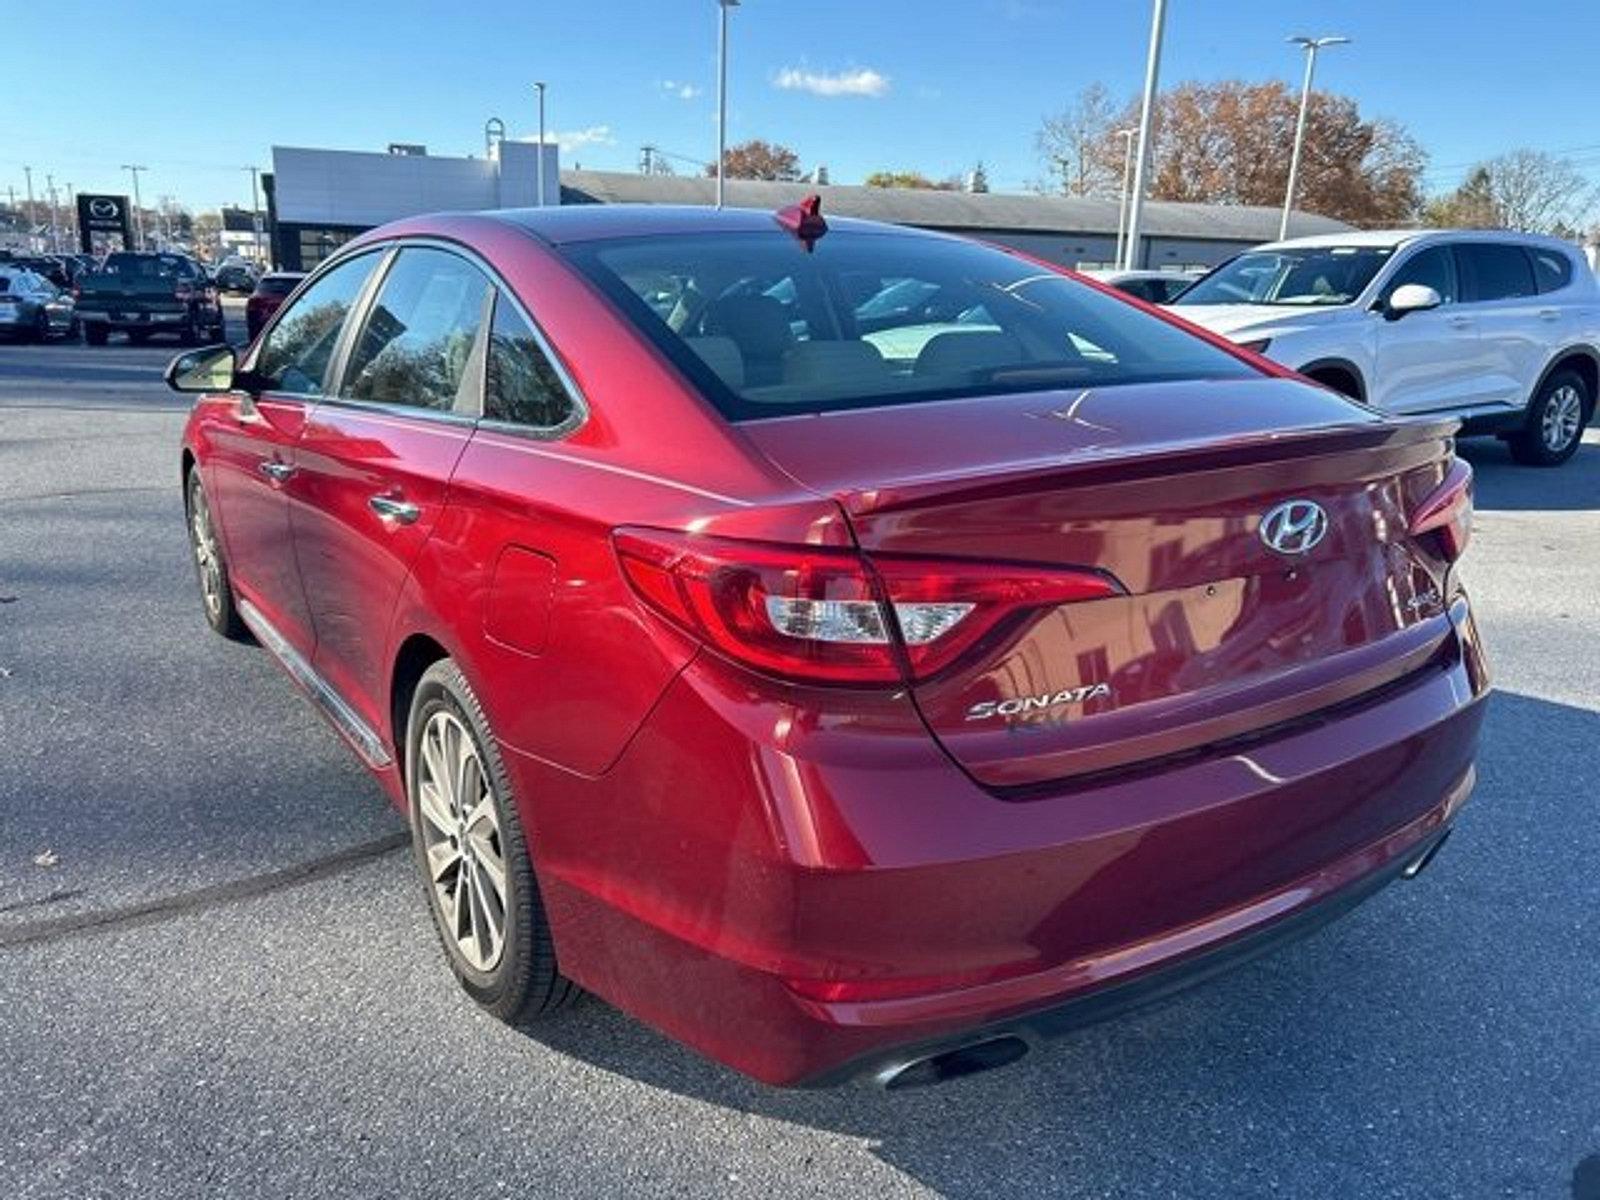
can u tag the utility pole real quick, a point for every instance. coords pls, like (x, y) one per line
(722, 94)
(1311, 46)
(539, 87)
(1122, 200)
(138, 216)
(72, 215)
(27, 173)
(1152, 77)
(255, 210)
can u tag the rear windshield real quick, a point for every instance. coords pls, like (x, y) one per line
(766, 328)
(145, 266)
(1313, 276)
(273, 286)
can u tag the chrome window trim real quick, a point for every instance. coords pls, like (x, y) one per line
(542, 433)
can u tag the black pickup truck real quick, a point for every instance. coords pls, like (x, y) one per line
(143, 294)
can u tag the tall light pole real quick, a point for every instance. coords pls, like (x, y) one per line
(72, 217)
(1122, 200)
(539, 166)
(722, 94)
(1152, 77)
(255, 210)
(55, 235)
(27, 173)
(1311, 46)
(138, 215)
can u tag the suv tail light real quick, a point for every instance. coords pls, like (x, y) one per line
(825, 615)
(1447, 512)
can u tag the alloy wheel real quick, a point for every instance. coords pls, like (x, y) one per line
(206, 557)
(464, 851)
(1562, 415)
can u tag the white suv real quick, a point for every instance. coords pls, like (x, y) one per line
(1501, 329)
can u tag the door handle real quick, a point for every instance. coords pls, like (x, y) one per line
(390, 509)
(1459, 322)
(1549, 314)
(278, 472)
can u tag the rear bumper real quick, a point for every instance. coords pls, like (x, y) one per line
(131, 320)
(741, 858)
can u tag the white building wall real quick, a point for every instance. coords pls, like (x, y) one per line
(347, 187)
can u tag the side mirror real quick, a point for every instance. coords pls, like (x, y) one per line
(1410, 298)
(209, 369)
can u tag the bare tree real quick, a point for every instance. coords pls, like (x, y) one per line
(1525, 189)
(1073, 145)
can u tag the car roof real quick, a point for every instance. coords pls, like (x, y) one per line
(1394, 238)
(593, 222)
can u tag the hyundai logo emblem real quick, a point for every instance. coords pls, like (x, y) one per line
(102, 208)
(1294, 526)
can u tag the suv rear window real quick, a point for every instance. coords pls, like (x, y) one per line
(1552, 269)
(766, 328)
(276, 285)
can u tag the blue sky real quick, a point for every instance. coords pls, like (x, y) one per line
(871, 83)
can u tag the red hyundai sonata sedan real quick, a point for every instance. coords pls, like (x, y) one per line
(857, 652)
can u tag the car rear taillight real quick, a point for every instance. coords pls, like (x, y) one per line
(1447, 511)
(825, 615)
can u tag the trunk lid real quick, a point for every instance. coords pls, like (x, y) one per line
(1163, 486)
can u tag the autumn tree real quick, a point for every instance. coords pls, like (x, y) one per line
(1230, 143)
(1525, 189)
(757, 159)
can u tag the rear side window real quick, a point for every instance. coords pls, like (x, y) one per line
(418, 341)
(1494, 271)
(1552, 269)
(520, 383)
(294, 357)
(763, 327)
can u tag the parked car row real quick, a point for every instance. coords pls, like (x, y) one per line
(32, 307)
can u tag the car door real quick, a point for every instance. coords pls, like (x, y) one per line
(1433, 359)
(253, 457)
(376, 455)
(1497, 283)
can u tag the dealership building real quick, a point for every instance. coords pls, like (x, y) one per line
(319, 199)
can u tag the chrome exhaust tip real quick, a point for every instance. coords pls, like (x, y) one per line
(1420, 864)
(984, 1055)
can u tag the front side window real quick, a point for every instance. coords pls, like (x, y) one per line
(294, 357)
(1494, 271)
(765, 327)
(417, 343)
(520, 383)
(1307, 277)
(1433, 267)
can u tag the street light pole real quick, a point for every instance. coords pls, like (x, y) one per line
(255, 211)
(50, 190)
(138, 216)
(1122, 200)
(1152, 76)
(27, 173)
(722, 94)
(72, 217)
(1311, 45)
(539, 166)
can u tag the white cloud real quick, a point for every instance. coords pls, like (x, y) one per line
(683, 91)
(861, 82)
(573, 139)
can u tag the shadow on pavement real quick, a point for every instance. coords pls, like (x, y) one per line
(1503, 483)
(1359, 1062)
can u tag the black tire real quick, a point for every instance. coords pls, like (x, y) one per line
(41, 327)
(526, 981)
(138, 337)
(95, 333)
(1553, 433)
(189, 331)
(216, 592)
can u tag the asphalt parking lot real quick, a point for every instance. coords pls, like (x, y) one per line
(217, 976)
